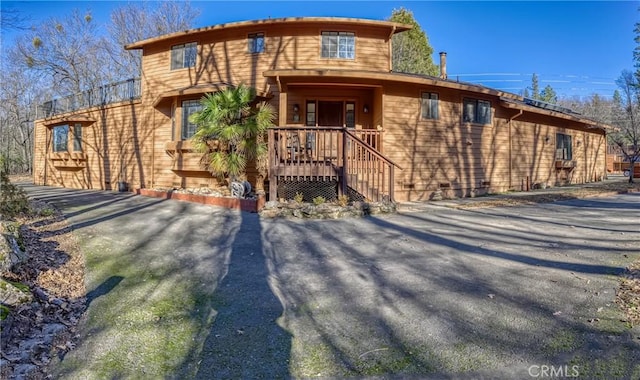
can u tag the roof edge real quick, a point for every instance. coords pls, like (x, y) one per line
(394, 26)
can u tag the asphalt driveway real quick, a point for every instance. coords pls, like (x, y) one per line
(190, 291)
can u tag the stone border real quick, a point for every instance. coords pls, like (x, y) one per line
(248, 205)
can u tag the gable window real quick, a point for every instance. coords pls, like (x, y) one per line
(563, 147)
(189, 107)
(77, 137)
(183, 55)
(429, 105)
(256, 43)
(338, 45)
(476, 111)
(60, 138)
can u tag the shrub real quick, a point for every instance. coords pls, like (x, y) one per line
(319, 200)
(298, 197)
(343, 200)
(13, 200)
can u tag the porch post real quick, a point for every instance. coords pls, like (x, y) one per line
(343, 188)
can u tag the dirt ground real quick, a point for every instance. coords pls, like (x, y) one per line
(56, 271)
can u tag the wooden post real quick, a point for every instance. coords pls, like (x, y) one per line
(343, 189)
(273, 182)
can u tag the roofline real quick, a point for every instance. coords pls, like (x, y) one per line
(395, 27)
(507, 99)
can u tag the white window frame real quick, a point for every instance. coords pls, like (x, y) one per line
(338, 45)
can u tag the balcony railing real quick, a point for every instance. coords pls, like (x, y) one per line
(111, 93)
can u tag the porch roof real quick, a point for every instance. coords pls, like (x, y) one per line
(508, 100)
(199, 89)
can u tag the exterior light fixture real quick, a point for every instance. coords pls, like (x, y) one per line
(365, 109)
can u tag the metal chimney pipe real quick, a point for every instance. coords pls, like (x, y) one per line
(443, 65)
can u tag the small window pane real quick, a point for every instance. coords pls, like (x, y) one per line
(190, 53)
(350, 117)
(256, 42)
(469, 111)
(429, 105)
(484, 112)
(184, 55)
(338, 45)
(60, 138)
(77, 138)
(189, 107)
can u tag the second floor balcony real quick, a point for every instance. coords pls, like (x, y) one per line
(126, 90)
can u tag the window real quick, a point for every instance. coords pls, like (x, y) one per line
(350, 115)
(476, 111)
(77, 138)
(311, 114)
(338, 45)
(429, 105)
(563, 147)
(189, 107)
(183, 55)
(256, 43)
(60, 138)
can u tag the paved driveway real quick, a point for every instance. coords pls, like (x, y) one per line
(185, 290)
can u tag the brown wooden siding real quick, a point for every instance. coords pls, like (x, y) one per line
(115, 147)
(466, 159)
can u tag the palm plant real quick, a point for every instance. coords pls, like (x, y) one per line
(232, 131)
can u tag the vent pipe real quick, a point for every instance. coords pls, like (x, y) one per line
(443, 65)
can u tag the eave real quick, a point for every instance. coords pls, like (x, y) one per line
(200, 90)
(68, 119)
(394, 27)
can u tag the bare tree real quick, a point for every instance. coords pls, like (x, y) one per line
(138, 21)
(627, 119)
(11, 18)
(68, 51)
(19, 93)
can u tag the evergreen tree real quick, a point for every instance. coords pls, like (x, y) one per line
(411, 51)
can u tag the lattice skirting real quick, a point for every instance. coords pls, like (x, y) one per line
(309, 189)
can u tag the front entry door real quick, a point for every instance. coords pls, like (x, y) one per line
(330, 113)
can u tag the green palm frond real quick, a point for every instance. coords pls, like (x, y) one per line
(228, 117)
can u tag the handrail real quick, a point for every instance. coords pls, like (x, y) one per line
(373, 150)
(110, 93)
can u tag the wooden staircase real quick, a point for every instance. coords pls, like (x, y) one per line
(331, 154)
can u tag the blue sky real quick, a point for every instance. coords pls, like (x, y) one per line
(578, 47)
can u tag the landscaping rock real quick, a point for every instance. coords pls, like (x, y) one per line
(303, 210)
(14, 294)
(10, 251)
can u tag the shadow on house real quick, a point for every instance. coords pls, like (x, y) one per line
(245, 341)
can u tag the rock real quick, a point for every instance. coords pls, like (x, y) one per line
(10, 251)
(14, 294)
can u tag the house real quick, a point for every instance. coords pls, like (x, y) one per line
(346, 123)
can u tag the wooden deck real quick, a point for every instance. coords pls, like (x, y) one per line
(350, 157)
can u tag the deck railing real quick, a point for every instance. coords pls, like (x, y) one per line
(103, 95)
(352, 157)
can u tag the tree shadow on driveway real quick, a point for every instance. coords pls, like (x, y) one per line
(245, 340)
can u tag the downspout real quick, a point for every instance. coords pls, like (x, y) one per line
(393, 31)
(520, 112)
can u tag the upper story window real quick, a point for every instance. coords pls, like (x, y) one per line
(563, 147)
(77, 137)
(476, 111)
(189, 107)
(183, 55)
(256, 43)
(338, 45)
(60, 138)
(429, 105)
